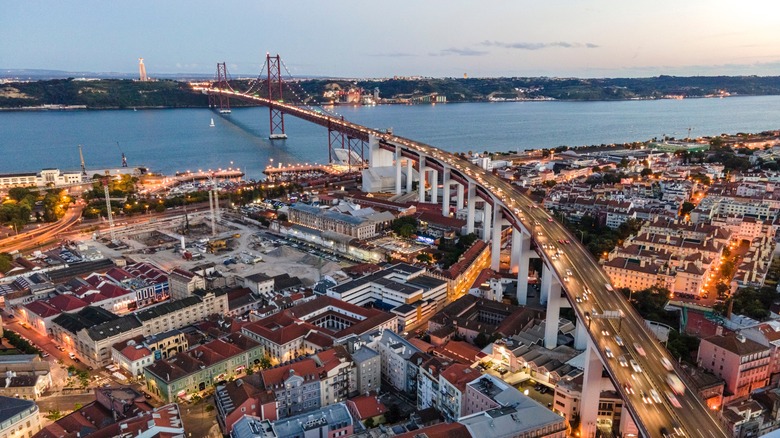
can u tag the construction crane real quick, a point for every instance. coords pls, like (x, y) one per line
(124, 159)
(83, 166)
(106, 181)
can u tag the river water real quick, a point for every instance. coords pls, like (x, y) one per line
(170, 140)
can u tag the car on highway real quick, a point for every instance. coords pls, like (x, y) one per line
(629, 389)
(605, 333)
(646, 398)
(608, 352)
(673, 400)
(538, 233)
(578, 299)
(566, 241)
(566, 278)
(675, 383)
(639, 349)
(667, 364)
(622, 361)
(568, 272)
(635, 366)
(619, 341)
(654, 395)
(549, 219)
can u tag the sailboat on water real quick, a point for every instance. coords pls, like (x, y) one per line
(212, 123)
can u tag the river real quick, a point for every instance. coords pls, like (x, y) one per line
(170, 140)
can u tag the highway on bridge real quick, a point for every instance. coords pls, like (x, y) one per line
(636, 386)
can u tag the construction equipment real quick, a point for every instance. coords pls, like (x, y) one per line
(124, 159)
(106, 182)
(83, 166)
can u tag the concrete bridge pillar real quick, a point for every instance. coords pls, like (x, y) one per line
(409, 175)
(487, 215)
(378, 157)
(421, 186)
(544, 287)
(472, 207)
(521, 252)
(459, 202)
(495, 251)
(434, 186)
(581, 337)
(445, 194)
(398, 169)
(591, 391)
(554, 304)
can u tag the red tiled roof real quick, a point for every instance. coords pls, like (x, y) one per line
(118, 274)
(277, 376)
(134, 354)
(441, 430)
(459, 351)
(111, 290)
(66, 302)
(459, 375)
(367, 406)
(94, 298)
(42, 309)
(280, 328)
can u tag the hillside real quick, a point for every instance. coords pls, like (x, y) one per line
(122, 93)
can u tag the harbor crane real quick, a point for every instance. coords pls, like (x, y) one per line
(124, 159)
(83, 166)
(109, 213)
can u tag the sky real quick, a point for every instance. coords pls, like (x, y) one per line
(438, 38)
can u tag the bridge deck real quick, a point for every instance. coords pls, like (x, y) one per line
(694, 417)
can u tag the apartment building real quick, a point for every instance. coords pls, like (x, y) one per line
(183, 283)
(245, 396)
(189, 372)
(743, 363)
(315, 325)
(90, 332)
(18, 417)
(407, 290)
(326, 220)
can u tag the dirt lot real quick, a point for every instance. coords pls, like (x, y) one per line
(242, 241)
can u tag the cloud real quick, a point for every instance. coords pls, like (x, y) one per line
(394, 54)
(460, 52)
(539, 46)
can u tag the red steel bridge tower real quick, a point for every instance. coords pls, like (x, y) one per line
(345, 146)
(221, 82)
(276, 116)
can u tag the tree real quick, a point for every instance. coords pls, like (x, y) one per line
(424, 258)
(5, 262)
(54, 415)
(265, 362)
(549, 183)
(687, 207)
(727, 269)
(404, 226)
(722, 289)
(646, 172)
(369, 423)
(281, 217)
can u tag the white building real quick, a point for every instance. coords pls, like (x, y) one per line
(406, 289)
(46, 177)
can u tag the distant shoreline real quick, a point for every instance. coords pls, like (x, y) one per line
(48, 108)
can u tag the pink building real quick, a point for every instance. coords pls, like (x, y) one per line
(741, 362)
